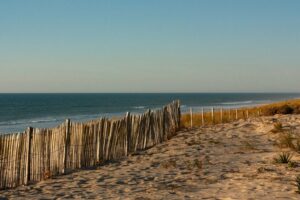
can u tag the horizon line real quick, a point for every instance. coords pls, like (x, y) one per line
(227, 92)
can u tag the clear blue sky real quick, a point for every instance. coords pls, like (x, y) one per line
(150, 46)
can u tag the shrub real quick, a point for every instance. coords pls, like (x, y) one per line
(286, 140)
(281, 109)
(285, 109)
(277, 127)
(194, 164)
(292, 164)
(298, 183)
(284, 157)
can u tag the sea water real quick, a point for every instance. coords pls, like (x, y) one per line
(19, 111)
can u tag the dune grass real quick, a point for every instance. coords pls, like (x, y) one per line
(283, 158)
(278, 127)
(285, 140)
(228, 115)
(298, 183)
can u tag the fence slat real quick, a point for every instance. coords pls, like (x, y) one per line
(67, 135)
(27, 175)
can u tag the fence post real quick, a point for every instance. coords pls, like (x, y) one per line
(67, 138)
(212, 115)
(164, 124)
(29, 136)
(128, 126)
(260, 112)
(102, 122)
(202, 116)
(247, 114)
(236, 114)
(179, 114)
(191, 114)
(147, 129)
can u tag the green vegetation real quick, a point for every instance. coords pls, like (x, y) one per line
(292, 164)
(283, 158)
(298, 183)
(285, 140)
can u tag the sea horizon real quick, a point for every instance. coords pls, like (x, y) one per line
(45, 110)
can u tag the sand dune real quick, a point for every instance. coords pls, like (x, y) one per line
(230, 161)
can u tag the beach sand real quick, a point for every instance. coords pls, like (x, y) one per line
(228, 161)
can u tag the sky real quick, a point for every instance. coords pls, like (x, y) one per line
(149, 46)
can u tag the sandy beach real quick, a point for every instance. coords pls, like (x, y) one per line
(150, 100)
(225, 161)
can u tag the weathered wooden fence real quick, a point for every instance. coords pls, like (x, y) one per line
(39, 154)
(219, 115)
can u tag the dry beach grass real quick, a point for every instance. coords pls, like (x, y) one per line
(229, 115)
(225, 161)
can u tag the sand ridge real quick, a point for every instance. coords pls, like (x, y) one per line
(227, 161)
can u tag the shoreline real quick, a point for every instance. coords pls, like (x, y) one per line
(7, 127)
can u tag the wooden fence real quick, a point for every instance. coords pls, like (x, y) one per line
(39, 154)
(217, 116)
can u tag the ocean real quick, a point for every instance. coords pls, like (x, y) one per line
(19, 111)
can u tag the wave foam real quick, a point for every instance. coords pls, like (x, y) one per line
(237, 103)
(139, 107)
